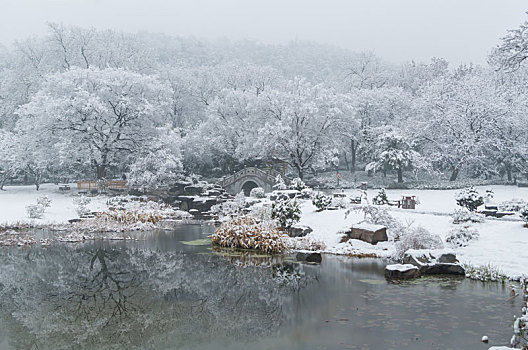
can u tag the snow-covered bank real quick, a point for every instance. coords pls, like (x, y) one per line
(14, 199)
(502, 244)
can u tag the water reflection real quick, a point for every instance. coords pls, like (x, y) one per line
(162, 294)
(108, 297)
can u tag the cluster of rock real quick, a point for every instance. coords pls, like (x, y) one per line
(416, 263)
(196, 198)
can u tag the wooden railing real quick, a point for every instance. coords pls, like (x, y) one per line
(268, 174)
(101, 185)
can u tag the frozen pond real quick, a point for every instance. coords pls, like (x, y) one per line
(173, 291)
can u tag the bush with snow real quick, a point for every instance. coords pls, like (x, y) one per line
(261, 212)
(515, 205)
(248, 233)
(340, 202)
(286, 212)
(380, 198)
(44, 201)
(461, 216)
(485, 273)
(417, 238)
(279, 183)
(461, 236)
(524, 214)
(230, 208)
(297, 184)
(469, 198)
(257, 192)
(36, 211)
(306, 193)
(321, 201)
(81, 205)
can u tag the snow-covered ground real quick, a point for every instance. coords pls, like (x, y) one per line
(503, 243)
(14, 199)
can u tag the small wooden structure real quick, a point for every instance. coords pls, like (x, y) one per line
(102, 185)
(408, 202)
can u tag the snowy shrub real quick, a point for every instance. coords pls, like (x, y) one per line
(44, 201)
(417, 238)
(248, 233)
(257, 192)
(321, 201)
(340, 202)
(279, 183)
(306, 193)
(81, 205)
(286, 211)
(460, 236)
(461, 216)
(513, 205)
(129, 217)
(304, 243)
(485, 273)
(261, 213)
(524, 214)
(35, 211)
(469, 198)
(380, 198)
(297, 184)
(230, 208)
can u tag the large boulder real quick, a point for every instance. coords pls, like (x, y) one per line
(193, 190)
(434, 262)
(401, 271)
(299, 231)
(178, 188)
(368, 232)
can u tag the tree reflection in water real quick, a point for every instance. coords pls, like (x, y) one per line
(87, 297)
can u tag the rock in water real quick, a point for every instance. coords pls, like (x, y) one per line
(432, 262)
(401, 271)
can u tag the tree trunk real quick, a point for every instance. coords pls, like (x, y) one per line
(509, 172)
(346, 161)
(454, 174)
(101, 171)
(353, 150)
(400, 175)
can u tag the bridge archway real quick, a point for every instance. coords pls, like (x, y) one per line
(248, 186)
(249, 178)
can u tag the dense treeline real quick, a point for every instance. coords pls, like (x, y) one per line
(84, 103)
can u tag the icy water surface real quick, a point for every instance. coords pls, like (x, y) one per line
(173, 291)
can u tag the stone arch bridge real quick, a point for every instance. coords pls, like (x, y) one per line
(249, 178)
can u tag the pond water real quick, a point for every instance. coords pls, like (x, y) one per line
(173, 291)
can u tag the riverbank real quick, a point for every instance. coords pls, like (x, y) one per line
(501, 243)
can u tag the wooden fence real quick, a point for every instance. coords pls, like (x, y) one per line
(102, 185)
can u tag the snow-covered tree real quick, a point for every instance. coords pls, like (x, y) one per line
(393, 151)
(159, 163)
(109, 113)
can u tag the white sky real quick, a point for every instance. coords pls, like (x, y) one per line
(396, 30)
